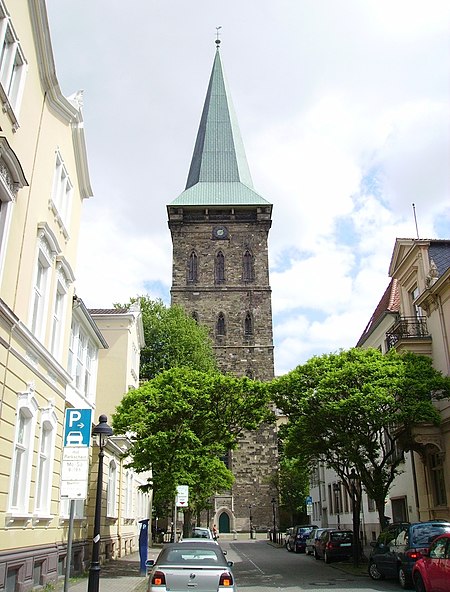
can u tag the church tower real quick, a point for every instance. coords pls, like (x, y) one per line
(219, 227)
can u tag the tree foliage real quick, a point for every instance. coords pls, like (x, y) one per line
(358, 409)
(172, 339)
(183, 422)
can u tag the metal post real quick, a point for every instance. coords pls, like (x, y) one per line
(273, 501)
(251, 521)
(94, 569)
(69, 546)
(337, 504)
(103, 431)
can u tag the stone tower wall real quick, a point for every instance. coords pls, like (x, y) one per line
(254, 463)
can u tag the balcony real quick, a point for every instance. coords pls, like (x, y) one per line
(407, 329)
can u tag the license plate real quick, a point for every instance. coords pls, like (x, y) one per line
(345, 544)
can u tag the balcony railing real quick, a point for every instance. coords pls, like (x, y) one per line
(407, 328)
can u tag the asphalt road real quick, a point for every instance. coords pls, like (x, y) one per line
(260, 567)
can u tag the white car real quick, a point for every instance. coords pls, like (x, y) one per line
(74, 439)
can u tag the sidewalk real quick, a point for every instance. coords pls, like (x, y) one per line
(119, 575)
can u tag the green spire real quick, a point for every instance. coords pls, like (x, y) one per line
(219, 173)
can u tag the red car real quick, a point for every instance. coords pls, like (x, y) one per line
(432, 572)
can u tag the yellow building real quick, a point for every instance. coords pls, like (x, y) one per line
(51, 349)
(414, 315)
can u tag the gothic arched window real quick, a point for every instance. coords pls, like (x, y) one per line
(248, 325)
(219, 268)
(248, 271)
(193, 267)
(220, 326)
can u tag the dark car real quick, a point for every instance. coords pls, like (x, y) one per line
(432, 572)
(312, 539)
(334, 544)
(296, 540)
(400, 546)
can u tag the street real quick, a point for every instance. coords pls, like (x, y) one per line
(259, 566)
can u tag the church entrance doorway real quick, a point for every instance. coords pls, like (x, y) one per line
(224, 522)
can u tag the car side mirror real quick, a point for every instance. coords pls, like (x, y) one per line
(150, 563)
(230, 563)
(224, 552)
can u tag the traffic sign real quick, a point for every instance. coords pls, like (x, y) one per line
(308, 499)
(74, 472)
(182, 498)
(77, 427)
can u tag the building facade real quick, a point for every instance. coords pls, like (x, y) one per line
(51, 350)
(412, 315)
(219, 227)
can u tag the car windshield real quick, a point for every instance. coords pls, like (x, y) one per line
(422, 533)
(341, 536)
(201, 533)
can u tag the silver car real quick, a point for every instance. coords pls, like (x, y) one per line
(191, 565)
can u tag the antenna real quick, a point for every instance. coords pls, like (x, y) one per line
(415, 219)
(217, 37)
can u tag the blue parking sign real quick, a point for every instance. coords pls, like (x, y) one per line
(77, 427)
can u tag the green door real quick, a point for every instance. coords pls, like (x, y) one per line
(224, 522)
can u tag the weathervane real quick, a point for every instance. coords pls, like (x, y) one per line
(217, 37)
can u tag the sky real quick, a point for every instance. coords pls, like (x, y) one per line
(343, 107)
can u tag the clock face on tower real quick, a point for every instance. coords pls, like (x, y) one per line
(220, 232)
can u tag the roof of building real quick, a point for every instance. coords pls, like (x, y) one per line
(219, 173)
(389, 303)
(439, 253)
(108, 311)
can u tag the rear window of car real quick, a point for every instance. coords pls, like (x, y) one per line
(181, 556)
(341, 537)
(303, 531)
(423, 534)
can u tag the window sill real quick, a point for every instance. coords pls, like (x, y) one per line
(7, 108)
(17, 518)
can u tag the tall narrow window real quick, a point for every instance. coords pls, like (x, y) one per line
(248, 325)
(23, 452)
(61, 198)
(40, 288)
(12, 65)
(57, 321)
(220, 327)
(438, 479)
(112, 486)
(193, 268)
(248, 271)
(219, 269)
(45, 462)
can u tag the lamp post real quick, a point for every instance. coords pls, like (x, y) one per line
(273, 501)
(251, 520)
(103, 431)
(336, 489)
(354, 482)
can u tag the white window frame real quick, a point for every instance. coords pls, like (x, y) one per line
(11, 180)
(61, 197)
(64, 509)
(129, 480)
(111, 503)
(82, 363)
(45, 460)
(64, 279)
(13, 68)
(20, 481)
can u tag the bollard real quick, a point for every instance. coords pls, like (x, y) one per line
(234, 535)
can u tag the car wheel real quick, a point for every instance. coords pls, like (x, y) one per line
(374, 573)
(418, 583)
(296, 549)
(316, 555)
(403, 579)
(326, 557)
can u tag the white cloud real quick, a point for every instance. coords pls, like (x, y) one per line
(343, 108)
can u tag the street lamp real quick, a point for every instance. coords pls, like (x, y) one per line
(251, 520)
(273, 501)
(336, 489)
(103, 431)
(354, 482)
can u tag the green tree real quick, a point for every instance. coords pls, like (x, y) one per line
(183, 422)
(172, 339)
(293, 487)
(358, 409)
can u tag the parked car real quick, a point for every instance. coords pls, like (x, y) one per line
(199, 564)
(334, 544)
(431, 573)
(296, 541)
(312, 539)
(400, 546)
